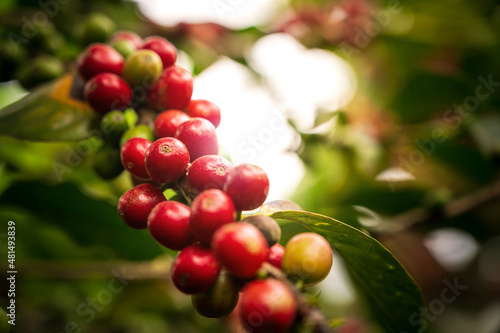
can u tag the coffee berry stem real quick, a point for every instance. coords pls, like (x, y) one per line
(182, 186)
(238, 215)
(146, 116)
(310, 314)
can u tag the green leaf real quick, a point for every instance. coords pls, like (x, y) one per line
(10, 92)
(392, 292)
(53, 112)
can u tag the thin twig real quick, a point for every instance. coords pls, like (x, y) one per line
(450, 210)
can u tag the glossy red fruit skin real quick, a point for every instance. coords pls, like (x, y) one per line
(168, 121)
(209, 210)
(195, 269)
(106, 92)
(267, 306)
(241, 248)
(168, 223)
(166, 50)
(127, 35)
(99, 58)
(276, 255)
(172, 90)
(166, 160)
(135, 205)
(204, 109)
(199, 136)
(247, 185)
(132, 156)
(206, 172)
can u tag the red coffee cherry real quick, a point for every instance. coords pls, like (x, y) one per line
(127, 35)
(247, 185)
(106, 92)
(132, 156)
(267, 306)
(241, 248)
(135, 205)
(220, 300)
(209, 210)
(168, 121)
(204, 109)
(206, 172)
(307, 257)
(172, 90)
(166, 160)
(99, 58)
(199, 136)
(168, 223)
(195, 269)
(165, 49)
(276, 255)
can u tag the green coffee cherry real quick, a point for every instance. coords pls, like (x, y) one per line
(107, 163)
(220, 300)
(113, 125)
(142, 68)
(268, 226)
(139, 131)
(55, 43)
(97, 27)
(43, 69)
(124, 47)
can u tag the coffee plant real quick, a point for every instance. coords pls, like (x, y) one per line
(193, 201)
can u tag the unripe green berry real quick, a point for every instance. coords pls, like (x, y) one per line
(142, 68)
(139, 131)
(97, 27)
(124, 47)
(113, 125)
(42, 69)
(107, 162)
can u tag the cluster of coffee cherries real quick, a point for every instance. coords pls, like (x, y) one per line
(222, 259)
(130, 71)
